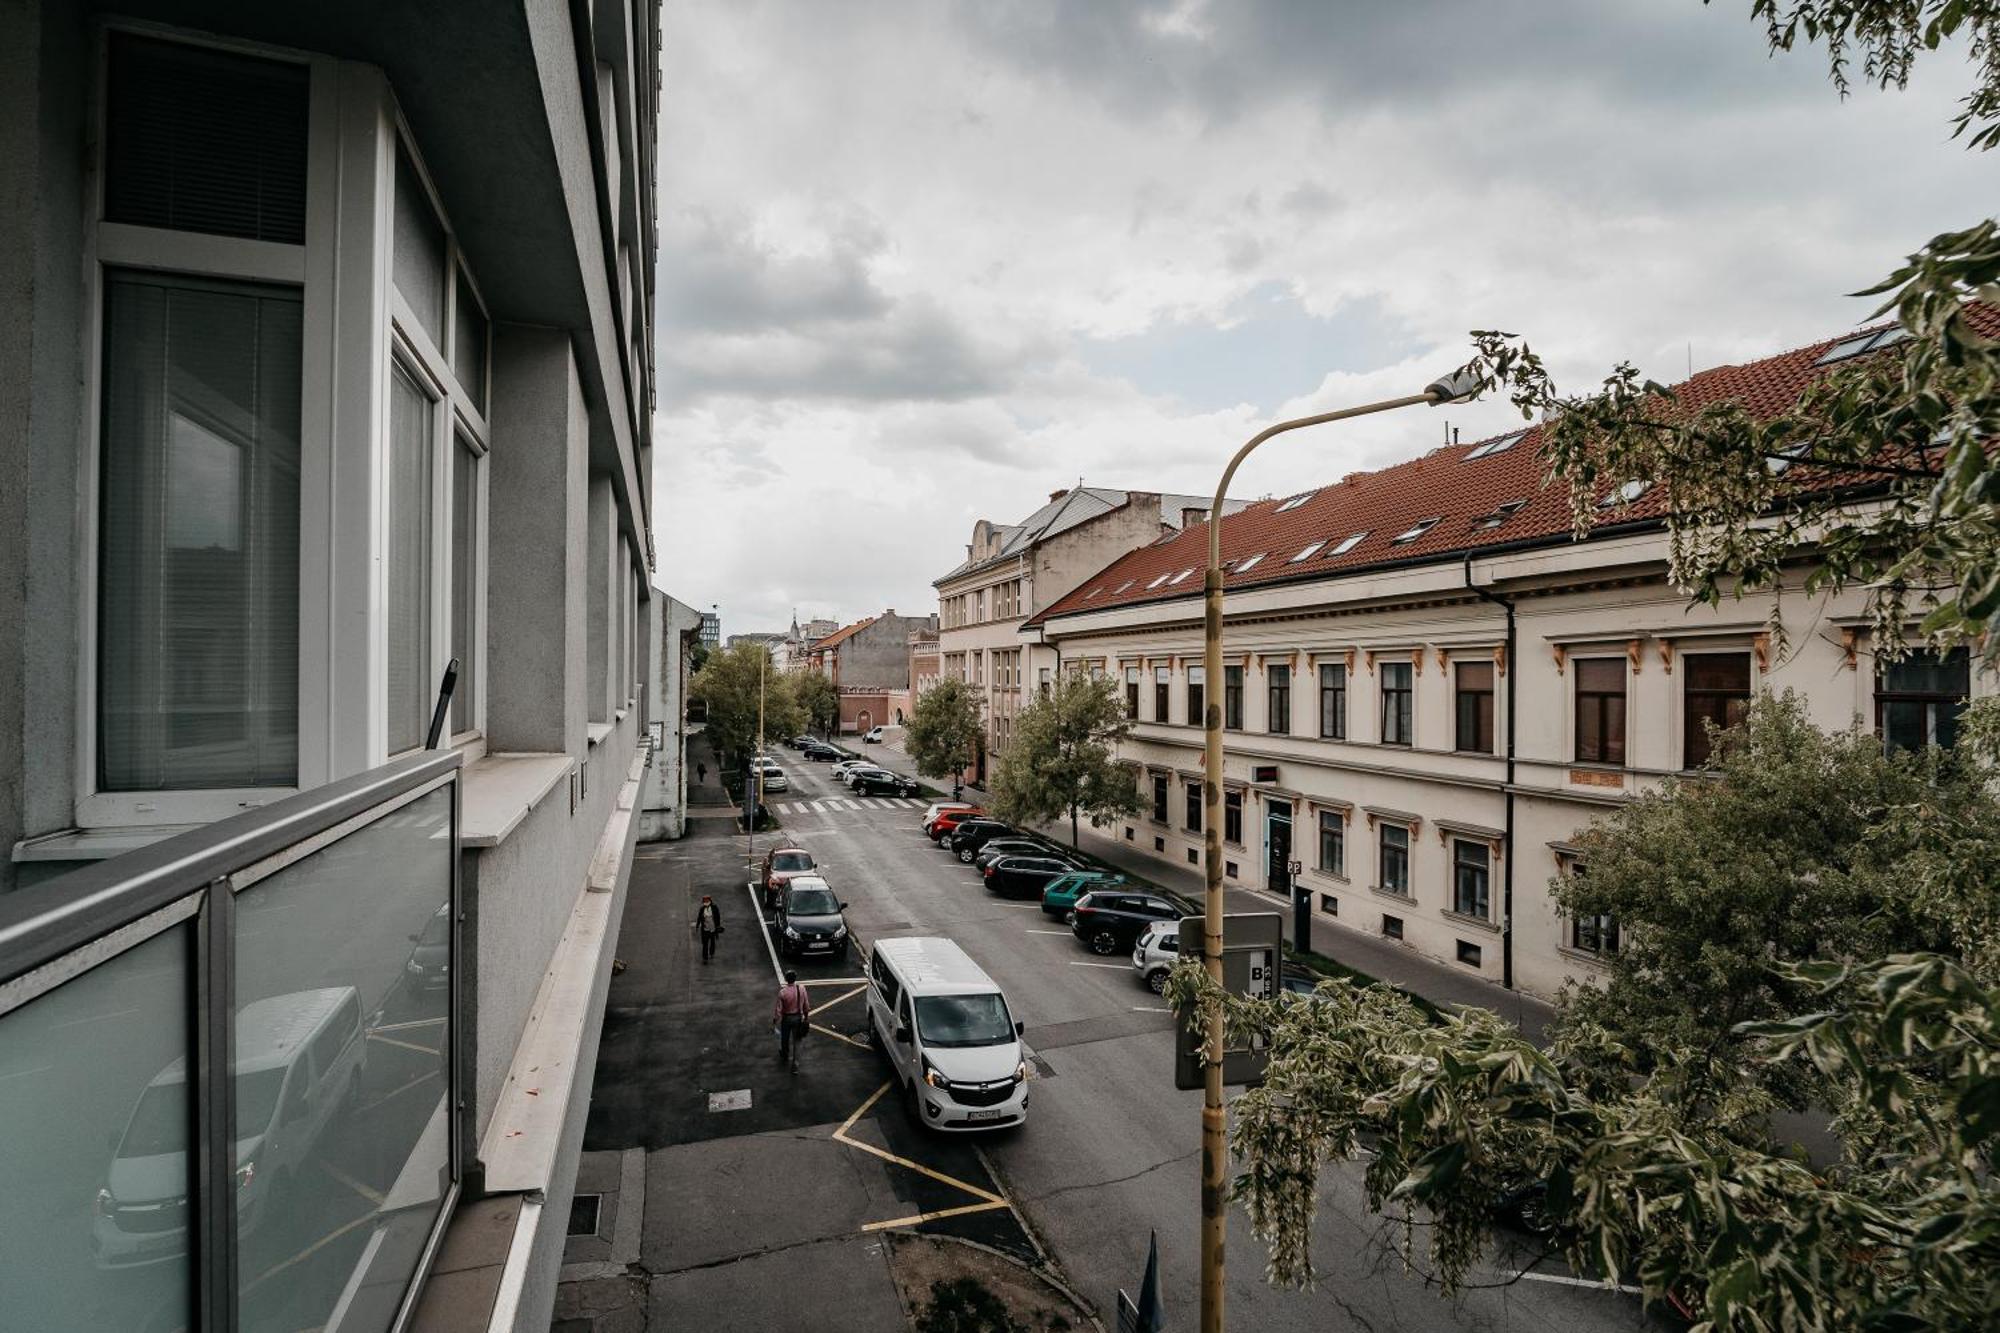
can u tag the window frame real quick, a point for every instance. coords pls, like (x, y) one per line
(1278, 699)
(1333, 825)
(1461, 867)
(1407, 693)
(1163, 680)
(1194, 694)
(1333, 701)
(1162, 797)
(309, 270)
(1601, 700)
(1193, 796)
(1487, 714)
(1232, 697)
(1382, 830)
(1934, 702)
(1232, 816)
(1690, 728)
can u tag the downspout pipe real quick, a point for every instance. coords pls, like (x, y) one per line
(1507, 866)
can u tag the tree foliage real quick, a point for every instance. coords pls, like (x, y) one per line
(1062, 757)
(729, 683)
(818, 701)
(947, 731)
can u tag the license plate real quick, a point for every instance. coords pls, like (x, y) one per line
(984, 1115)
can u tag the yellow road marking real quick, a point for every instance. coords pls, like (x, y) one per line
(840, 1135)
(932, 1217)
(310, 1250)
(413, 1023)
(845, 995)
(840, 1036)
(406, 1045)
(372, 1196)
(393, 1093)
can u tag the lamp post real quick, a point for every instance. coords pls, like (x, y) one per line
(1456, 387)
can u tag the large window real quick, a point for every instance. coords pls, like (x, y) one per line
(1232, 697)
(1232, 818)
(1333, 701)
(411, 436)
(1131, 693)
(1193, 806)
(1600, 710)
(1162, 686)
(1396, 703)
(1471, 878)
(1278, 682)
(1475, 707)
(1195, 678)
(1919, 698)
(1160, 798)
(1393, 857)
(1332, 842)
(1717, 692)
(198, 576)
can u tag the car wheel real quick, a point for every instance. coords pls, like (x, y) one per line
(966, 856)
(1156, 981)
(1104, 943)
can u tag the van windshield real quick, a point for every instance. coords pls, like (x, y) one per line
(160, 1121)
(963, 1020)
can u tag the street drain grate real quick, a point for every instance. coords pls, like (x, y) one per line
(583, 1212)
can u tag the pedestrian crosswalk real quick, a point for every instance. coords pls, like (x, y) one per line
(833, 803)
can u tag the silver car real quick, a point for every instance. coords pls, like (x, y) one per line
(1154, 955)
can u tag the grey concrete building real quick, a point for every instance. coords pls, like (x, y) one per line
(869, 664)
(663, 808)
(327, 362)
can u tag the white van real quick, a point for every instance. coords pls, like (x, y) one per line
(952, 1041)
(298, 1065)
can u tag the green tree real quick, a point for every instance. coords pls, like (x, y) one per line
(730, 682)
(1062, 757)
(947, 731)
(818, 700)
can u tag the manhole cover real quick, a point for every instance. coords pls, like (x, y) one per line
(735, 1100)
(583, 1211)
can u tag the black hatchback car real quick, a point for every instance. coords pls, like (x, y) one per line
(819, 751)
(972, 834)
(881, 782)
(995, 848)
(1024, 876)
(1110, 920)
(809, 922)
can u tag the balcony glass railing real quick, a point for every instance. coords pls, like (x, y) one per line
(227, 1068)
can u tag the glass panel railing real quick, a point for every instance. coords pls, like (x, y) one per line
(343, 988)
(227, 1068)
(95, 1123)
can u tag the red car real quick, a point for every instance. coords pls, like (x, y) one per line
(942, 826)
(780, 865)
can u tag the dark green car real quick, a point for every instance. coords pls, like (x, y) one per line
(1061, 894)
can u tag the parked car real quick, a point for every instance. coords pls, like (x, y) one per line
(773, 777)
(799, 742)
(809, 921)
(1109, 920)
(969, 835)
(1155, 952)
(881, 782)
(875, 736)
(952, 1043)
(781, 865)
(1061, 894)
(1023, 876)
(942, 826)
(845, 767)
(1298, 979)
(1015, 845)
(819, 751)
(931, 814)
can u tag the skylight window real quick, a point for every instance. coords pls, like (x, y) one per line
(1863, 342)
(1497, 446)
(1415, 531)
(1093, 592)
(1294, 502)
(1166, 537)
(1346, 544)
(1156, 583)
(1307, 553)
(1251, 563)
(1499, 515)
(1180, 577)
(1625, 494)
(1123, 586)
(1779, 463)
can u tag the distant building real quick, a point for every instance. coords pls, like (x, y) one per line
(663, 791)
(923, 674)
(869, 664)
(711, 629)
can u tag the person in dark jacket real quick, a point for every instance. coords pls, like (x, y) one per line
(708, 920)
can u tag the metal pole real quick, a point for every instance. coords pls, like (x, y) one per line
(1214, 1118)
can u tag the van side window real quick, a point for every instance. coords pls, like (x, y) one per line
(333, 1038)
(891, 992)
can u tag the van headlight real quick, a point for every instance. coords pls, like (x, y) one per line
(1021, 1072)
(935, 1079)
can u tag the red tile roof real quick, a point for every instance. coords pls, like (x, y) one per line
(841, 635)
(1448, 485)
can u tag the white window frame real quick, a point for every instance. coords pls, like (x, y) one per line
(460, 414)
(309, 269)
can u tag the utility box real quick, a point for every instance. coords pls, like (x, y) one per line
(1253, 953)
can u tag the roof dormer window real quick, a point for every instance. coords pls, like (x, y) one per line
(1496, 446)
(1863, 342)
(1250, 564)
(1156, 583)
(1625, 494)
(1294, 502)
(1180, 577)
(1346, 544)
(1414, 531)
(1307, 553)
(1499, 515)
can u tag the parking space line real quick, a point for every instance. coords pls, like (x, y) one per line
(1080, 963)
(1568, 1281)
(310, 1250)
(917, 1218)
(1033, 931)
(840, 1036)
(833, 981)
(824, 1005)
(757, 915)
(406, 1045)
(394, 1093)
(841, 1136)
(373, 1196)
(413, 1023)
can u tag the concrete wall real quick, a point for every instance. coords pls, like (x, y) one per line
(877, 656)
(663, 812)
(1065, 560)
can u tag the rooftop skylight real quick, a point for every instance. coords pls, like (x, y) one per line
(1863, 342)
(1415, 531)
(1123, 586)
(1156, 583)
(1180, 577)
(1625, 494)
(1777, 464)
(1499, 515)
(1251, 563)
(1346, 544)
(1497, 446)
(1294, 502)
(1307, 553)
(1093, 592)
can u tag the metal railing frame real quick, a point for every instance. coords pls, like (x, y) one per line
(57, 931)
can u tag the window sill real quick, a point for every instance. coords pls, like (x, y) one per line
(1475, 922)
(498, 791)
(619, 716)
(1583, 955)
(597, 731)
(94, 844)
(1324, 873)
(1393, 895)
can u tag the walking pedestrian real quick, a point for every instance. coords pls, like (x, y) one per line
(793, 1014)
(708, 920)
(701, 772)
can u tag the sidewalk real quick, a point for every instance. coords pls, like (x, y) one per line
(1382, 959)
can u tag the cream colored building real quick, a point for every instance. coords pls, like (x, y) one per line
(1431, 687)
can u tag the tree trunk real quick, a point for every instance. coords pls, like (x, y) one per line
(1072, 829)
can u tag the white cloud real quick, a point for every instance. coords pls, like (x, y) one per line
(896, 237)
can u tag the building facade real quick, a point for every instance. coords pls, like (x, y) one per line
(869, 665)
(327, 369)
(1013, 571)
(711, 628)
(663, 793)
(1430, 687)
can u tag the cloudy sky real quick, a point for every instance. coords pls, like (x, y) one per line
(925, 262)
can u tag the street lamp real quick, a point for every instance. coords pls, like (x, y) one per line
(1459, 386)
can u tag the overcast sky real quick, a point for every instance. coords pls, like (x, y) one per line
(922, 263)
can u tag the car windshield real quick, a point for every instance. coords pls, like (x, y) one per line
(792, 861)
(963, 1020)
(159, 1124)
(813, 902)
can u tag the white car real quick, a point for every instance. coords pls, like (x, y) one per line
(844, 770)
(772, 777)
(875, 736)
(1154, 954)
